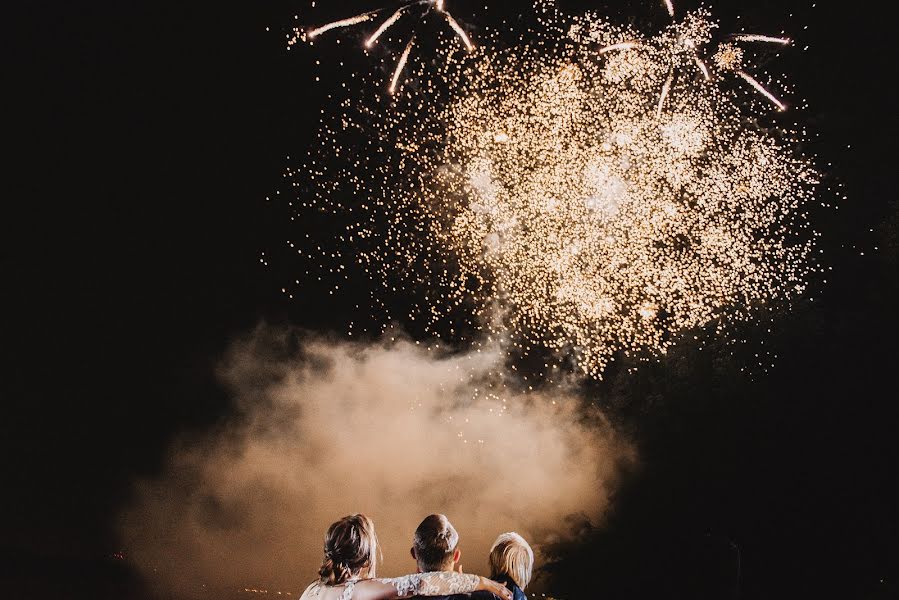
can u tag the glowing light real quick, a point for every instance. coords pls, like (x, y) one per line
(460, 32)
(620, 46)
(666, 89)
(702, 68)
(648, 311)
(340, 24)
(670, 6)
(762, 90)
(729, 57)
(401, 65)
(385, 26)
(762, 38)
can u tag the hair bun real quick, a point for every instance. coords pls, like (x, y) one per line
(349, 550)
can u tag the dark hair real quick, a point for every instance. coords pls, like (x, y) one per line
(351, 548)
(435, 542)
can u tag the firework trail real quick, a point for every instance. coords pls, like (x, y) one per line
(401, 65)
(386, 25)
(427, 7)
(761, 38)
(619, 46)
(702, 68)
(762, 90)
(314, 33)
(670, 6)
(666, 89)
(459, 31)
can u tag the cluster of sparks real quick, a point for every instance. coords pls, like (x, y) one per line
(599, 192)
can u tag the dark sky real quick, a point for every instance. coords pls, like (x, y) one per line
(144, 139)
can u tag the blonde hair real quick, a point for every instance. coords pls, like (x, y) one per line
(351, 550)
(512, 556)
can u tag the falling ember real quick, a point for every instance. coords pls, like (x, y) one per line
(761, 89)
(620, 46)
(339, 24)
(401, 65)
(460, 32)
(385, 26)
(703, 68)
(762, 38)
(670, 6)
(666, 89)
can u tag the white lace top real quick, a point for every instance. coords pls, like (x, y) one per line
(420, 584)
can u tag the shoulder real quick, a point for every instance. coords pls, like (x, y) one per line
(312, 591)
(517, 594)
(479, 595)
(473, 596)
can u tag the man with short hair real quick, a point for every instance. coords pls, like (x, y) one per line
(435, 548)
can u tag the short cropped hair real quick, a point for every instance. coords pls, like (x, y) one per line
(434, 543)
(511, 556)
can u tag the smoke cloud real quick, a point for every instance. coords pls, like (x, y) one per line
(325, 428)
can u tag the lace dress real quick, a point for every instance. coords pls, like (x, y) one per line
(420, 584)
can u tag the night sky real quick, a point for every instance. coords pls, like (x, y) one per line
(144, 140)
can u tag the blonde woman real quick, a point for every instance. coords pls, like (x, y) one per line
(512, 563)
(349, 568)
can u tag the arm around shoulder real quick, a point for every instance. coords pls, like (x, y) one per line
(426, 584)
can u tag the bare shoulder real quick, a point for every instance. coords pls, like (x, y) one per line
(373, 589)
(312, 592)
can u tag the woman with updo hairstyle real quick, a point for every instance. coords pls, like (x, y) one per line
(351, 550)
(349, 569)
(512, 563)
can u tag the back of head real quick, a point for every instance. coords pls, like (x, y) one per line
(512, 557)
(351, 548)
(435, 544)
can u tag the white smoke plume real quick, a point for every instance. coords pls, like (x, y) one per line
(325, 429)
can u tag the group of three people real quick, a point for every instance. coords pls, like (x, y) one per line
(349, 567)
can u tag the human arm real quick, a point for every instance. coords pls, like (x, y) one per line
(427, 584)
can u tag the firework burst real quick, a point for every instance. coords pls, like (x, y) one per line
(592, 193)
